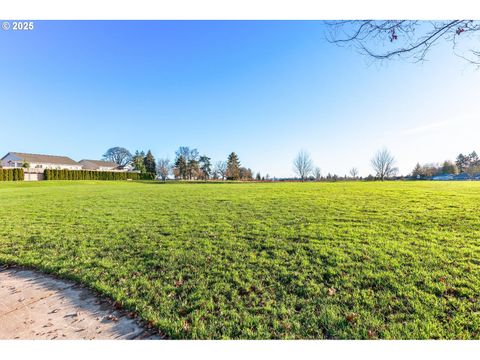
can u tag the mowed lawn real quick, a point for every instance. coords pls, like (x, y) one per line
(393, 260)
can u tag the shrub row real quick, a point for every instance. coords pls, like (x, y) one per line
(11, 175)
(64, 174)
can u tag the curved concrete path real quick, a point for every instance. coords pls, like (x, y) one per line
(38, 306)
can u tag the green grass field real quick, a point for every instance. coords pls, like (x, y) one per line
(393, 260)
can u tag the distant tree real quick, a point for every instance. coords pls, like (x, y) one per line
(220, 169)
(205, 167)
(473, 159)
(183, 151)
(303, 165)
(233, 167)
(384, 164)
(245, 174)
(430, 170)
(258, 177)
(462, 163)
(471, 164)
(193, 169)
(473, 170)
(138, 161)
(417, 171)
(191, 157)
(354, 172)
(180, 167)
(163, 168)
(317, 174)
(193, 165)
(149, 162)
(449, 167)
(118, 155)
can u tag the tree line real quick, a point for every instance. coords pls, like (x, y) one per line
(187, 165)
(464, 164)
(383, 163)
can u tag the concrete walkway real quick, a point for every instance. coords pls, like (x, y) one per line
(37, 306)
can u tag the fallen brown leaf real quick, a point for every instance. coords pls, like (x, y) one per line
(352, 318)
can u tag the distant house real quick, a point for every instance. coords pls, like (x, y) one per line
(38, 161)
(98, 165)
(128, 167)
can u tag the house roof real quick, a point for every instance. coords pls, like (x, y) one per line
(100, 163)
(48, 159)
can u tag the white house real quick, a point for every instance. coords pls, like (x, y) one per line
(98, 165)
(37, 161)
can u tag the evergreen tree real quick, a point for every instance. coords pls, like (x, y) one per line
(181, 167)
(233, 167)
(417, 171)
(462, 163)
(138, 161)
(149, 163)
(205, 166)
(473, 159)
(191, 161)
(258, 177)
(193, 169)
(192, 164)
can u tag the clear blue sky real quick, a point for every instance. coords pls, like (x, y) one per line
(262, 89)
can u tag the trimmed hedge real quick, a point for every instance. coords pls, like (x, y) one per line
(12, 174)
(64, 174)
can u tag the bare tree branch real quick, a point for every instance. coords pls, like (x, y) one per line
(387, 39)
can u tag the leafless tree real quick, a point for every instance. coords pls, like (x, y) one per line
(220, 169)
(354, 172)
(408, 39)
(164, 168)
(303, 165)
(118, 155)
(384, 164)
(473, 170)
(317, 174)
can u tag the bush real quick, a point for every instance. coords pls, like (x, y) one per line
(12, 175)
(147, 176)
(54, 174)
